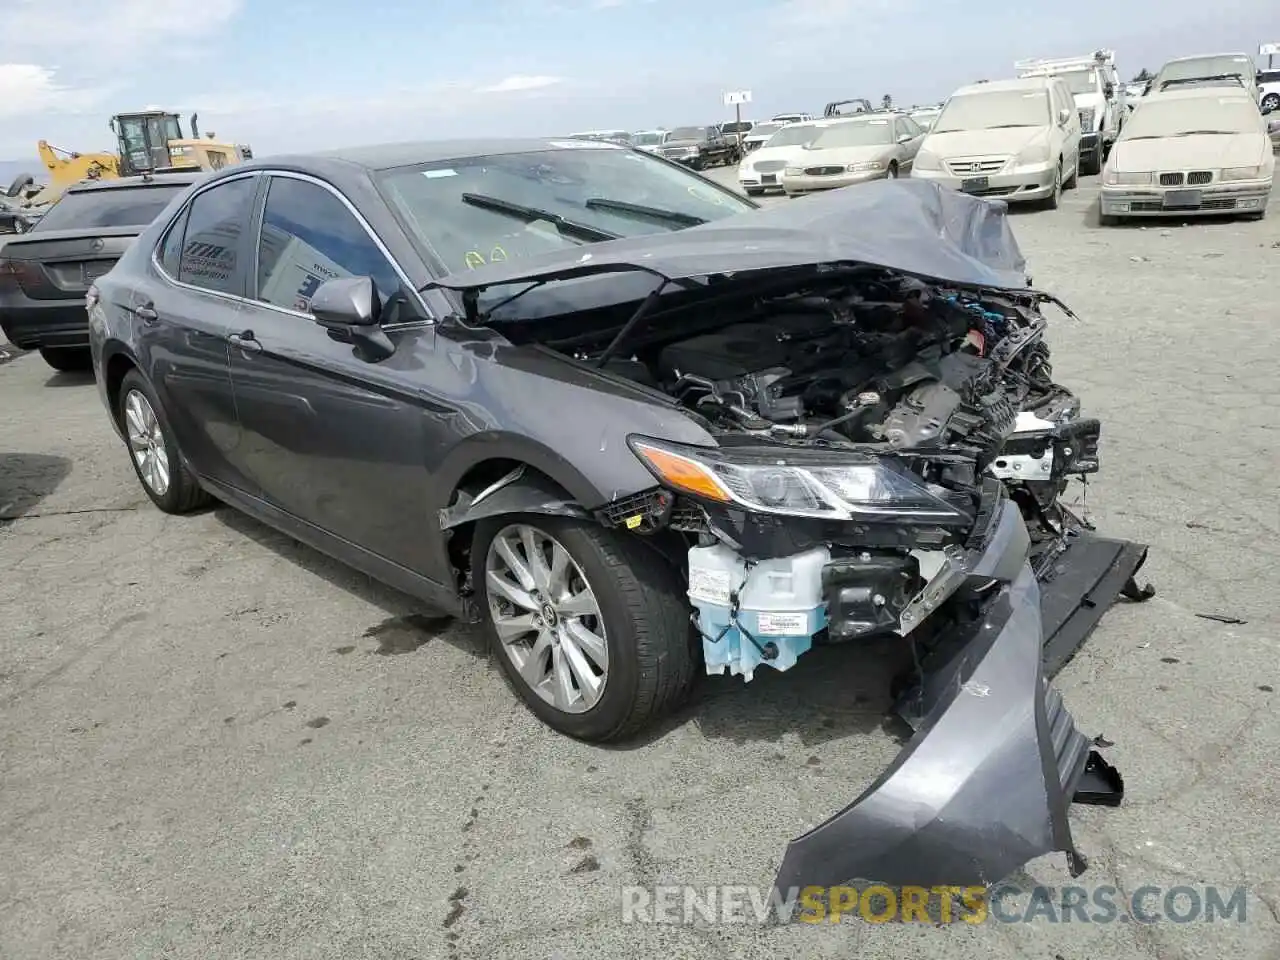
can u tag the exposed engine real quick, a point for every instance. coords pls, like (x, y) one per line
(896, 363)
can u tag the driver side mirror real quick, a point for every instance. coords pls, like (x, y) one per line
(349, 309)
(1064, 115)
(905, 138)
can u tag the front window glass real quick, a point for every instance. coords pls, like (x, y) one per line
(765, 129)
(1081, 81)
(688, 133)
(994, 109)
(453, 207)
(1203, 67)
(309, 236)
(859, 133)
(648, 139)
(794, 136)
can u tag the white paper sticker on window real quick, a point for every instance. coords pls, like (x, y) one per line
(434, 174)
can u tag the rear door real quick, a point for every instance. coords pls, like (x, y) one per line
(329, 438)
(183, 320)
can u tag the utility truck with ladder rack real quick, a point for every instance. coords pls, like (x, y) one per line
(1099, 96)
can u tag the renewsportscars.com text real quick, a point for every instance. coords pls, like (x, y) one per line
(1007, 903)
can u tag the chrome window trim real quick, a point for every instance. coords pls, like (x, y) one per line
(430, 319)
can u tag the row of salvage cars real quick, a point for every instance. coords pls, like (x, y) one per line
(1196, 143)
(638, 428)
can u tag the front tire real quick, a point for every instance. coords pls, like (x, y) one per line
(589, 625)
(755, 191)
(892, 172)
(1271, 101)
(153, 451)
(67, 359)
(1054, 200)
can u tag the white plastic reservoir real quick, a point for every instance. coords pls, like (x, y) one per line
(780, 605)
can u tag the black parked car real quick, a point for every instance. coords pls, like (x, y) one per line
(700, 147)
(46, 271)
(635, 426)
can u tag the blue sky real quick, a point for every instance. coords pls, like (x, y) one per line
(307, 74)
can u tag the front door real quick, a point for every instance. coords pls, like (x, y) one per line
(331, 439)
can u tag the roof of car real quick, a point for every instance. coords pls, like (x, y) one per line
(1234, 54)
(388, 156)
(160, 179)
(1021, 83)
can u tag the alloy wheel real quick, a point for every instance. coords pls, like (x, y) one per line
(546, 617)
(146, 442)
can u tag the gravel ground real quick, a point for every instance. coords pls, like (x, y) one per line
(216, 743)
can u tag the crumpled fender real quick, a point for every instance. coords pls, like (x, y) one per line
(520, 491)
(984, 784)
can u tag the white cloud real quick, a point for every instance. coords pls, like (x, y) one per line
(517, 82)
(27, 88)
(112, 34)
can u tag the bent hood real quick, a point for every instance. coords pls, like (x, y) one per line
(981, 143)
(914, 226)
(1203, 152)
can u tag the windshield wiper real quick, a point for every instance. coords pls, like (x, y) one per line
(1008, 126)
(640, 210)
(1197, 133)
(569, 228)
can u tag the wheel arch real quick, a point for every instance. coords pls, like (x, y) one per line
(116, 364)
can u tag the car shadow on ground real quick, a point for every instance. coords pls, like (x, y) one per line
(407, 614)
(26, 479)
(76, 378)
(831, 692)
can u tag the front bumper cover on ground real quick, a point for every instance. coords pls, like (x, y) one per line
(984, 784)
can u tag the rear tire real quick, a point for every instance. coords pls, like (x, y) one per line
(67, 359)
(180, 492)
(642, 612)
(1271, 101)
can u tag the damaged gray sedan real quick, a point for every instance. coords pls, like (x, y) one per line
(638, 428)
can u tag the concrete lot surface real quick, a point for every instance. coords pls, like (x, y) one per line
(217, 743)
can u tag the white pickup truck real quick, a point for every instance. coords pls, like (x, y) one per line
(1099, 95)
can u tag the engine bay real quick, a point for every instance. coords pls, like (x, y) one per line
(888, 361)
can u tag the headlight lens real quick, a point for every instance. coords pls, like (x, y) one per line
(793, 171)
(926, 161)
(829, 487)
(1113, 178)
(1036, 153)
(1242, 173)
(864, 166)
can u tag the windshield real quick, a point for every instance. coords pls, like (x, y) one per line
(687, 133)
(464, 234)
(1182, 117)
(794, 136)
(765, 129)
(114, 207)
(744, 127)
(1081, 81)
(994, 108)
(859, 133)
(925, 118)
(648, 139)
(1203, 67)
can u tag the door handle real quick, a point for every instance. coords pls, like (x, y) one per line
(245, 341)
(146, 312)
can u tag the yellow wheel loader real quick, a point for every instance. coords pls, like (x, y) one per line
(150, 141)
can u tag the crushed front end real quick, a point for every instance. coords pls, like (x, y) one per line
(892, 462)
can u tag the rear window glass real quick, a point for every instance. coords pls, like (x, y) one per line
(120, 207)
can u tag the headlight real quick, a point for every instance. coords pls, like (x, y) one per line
(1242, 173)
(864, 166)
(793, 171)
(926, 161)
(1086, 118)
(831, 487)
(1036, 153)
(1113, 178)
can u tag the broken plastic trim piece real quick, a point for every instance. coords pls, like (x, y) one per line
(983, 786)
(517, 492)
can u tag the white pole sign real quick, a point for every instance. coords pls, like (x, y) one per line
(1269, 50)
(737, 97)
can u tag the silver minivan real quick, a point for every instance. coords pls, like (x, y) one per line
(1018, 140)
